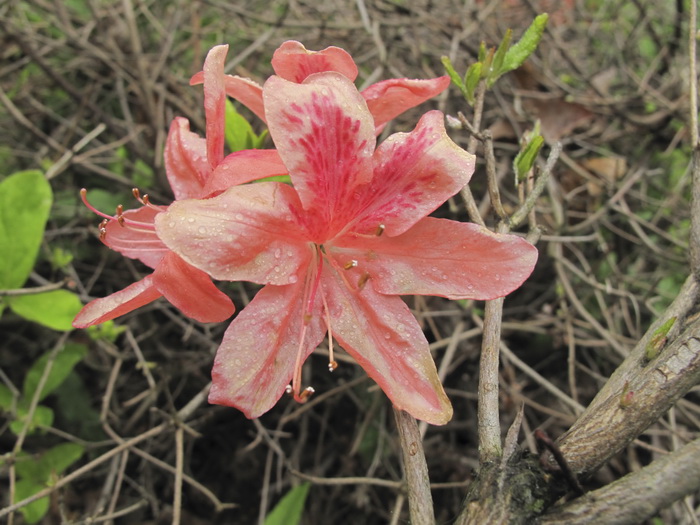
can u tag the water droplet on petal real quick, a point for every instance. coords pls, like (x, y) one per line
(278, 253)
(190, 219)
(292, 279)
(239, 216)
(202, 229)
(171, 224)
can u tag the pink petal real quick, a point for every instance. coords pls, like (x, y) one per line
(256, 359)
(384, 338)
(186, 162)
(325, 136)
(117, 304)
(414, 173)
(137, 238)
(389, 98)
(214, 103)
(244, 166)
(191, 291)
(244, 90)
(440, 257)
(248, 233)
(292, 61)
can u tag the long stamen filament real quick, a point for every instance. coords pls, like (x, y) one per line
(145, 227)
(332, 363)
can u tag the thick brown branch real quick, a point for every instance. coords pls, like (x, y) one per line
(637, 496)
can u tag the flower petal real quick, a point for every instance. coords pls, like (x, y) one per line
(191, 291)
(384, 338)
(244, 90)
(117, 304)
(256, 359)
(215, 103)
(325, 136)
(389, 98)
(244, 166)
(186, 162)
(441, 257)
(248, 233)
(414, 174)
(137, 238)
(292, 61)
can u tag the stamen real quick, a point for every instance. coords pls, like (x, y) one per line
(145, 227)
(145, 200)
(332, 363)
(380, 230)
(350, 264)
(363, 281)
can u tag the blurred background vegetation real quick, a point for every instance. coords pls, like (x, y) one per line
(87, 91)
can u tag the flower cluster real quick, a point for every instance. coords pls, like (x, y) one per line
(334, 250)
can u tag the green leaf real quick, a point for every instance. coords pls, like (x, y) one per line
(107, 331)
(5, 398)
(55, 309)
(36, 510)
(495, 70)
(471, 80)
(43, 417)
(456, 79)
(527, 44)
(65, 361)
(37, 474)
(288, 510)
(238, 131)
(25, 201)
(525, 159)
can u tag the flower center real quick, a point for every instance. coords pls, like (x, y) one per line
(312, 291)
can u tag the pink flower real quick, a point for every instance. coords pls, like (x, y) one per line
(337, 250)
(196, 168)
(292, 61)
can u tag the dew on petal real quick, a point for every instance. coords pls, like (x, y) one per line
(239, 216)
(278, 253)
(292, 279)
(202, 230)
(171, 224)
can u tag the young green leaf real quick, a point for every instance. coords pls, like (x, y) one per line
(454, 76)
(527, 44)
(658, 339)
(525, 159)
(288, 510)
(70, 355)
(55, 309)
(471, 80)
(495, 70)
(25, 201)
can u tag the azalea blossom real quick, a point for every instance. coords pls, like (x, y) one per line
(336, 250)
(195, 168)
(292, 61)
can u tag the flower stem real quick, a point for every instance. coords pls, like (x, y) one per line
(420, 501)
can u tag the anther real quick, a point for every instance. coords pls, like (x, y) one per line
(332, 365)
(379, 230)
(306, 394)
(103, 229)
(363, 281)
(350, 264)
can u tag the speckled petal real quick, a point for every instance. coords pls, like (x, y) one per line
(248, 233)
(191, 291)
(244, 166)
(441, 257)
(382, 335)
(325, 136)
(389, 98)
(186, 162)
(292, 61)
(414, 173)
(137, 239)
(255, 361)
(117, 304)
